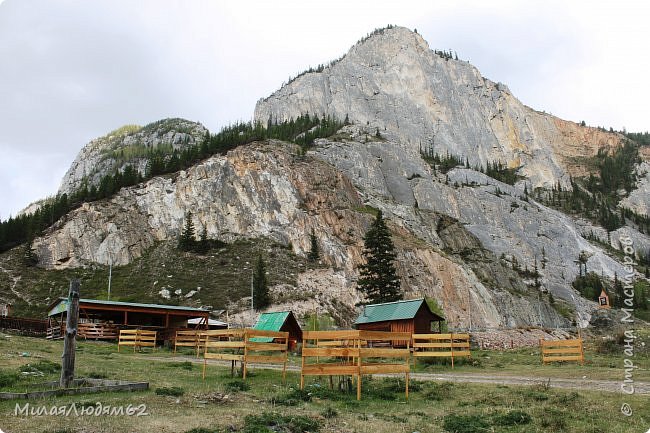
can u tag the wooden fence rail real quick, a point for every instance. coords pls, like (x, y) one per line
(24, 325)
(138, 338)
(562, 350)
(351, 353)
(246, 346)
(441, 345)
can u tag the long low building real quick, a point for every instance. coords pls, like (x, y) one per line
(99, 319)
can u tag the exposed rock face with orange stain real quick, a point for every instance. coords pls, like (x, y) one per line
(393, 83)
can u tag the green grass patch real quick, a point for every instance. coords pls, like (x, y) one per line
(173, 391)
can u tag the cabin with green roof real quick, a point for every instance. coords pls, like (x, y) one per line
(413, 315)
(101, 319)
(283, 321)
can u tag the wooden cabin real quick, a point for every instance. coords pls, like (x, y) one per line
(281, 321)
(412, 316)
(102, 320)
(603, 300)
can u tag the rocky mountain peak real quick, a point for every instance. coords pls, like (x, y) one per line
(128, 145)
(424, 100)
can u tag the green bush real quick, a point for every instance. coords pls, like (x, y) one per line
(44, 366)
(514, 417)
(8, 378)
(185, 365)
(292, 398)
(174, 391)
(237, 385)
(453, 423)
(270, 422)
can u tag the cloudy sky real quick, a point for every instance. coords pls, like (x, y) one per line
(71, 71)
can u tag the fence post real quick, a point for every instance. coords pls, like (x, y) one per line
(68, 357)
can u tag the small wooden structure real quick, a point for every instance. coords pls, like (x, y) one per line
(441, 345)
(282, 321)
(603, 300)
(351, 353)
(99, 319)
(562, 350)
(246, 346)
(413, 316)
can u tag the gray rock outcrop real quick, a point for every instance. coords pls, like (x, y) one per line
(392, 82)
(128, 146)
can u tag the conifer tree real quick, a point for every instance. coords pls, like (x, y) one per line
(314, 252)
(204, 243)
(187, 242)
(261, 298)
(378, 279)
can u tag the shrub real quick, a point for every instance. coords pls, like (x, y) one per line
(465, 424)
(292, 398)
(174, 391)
(514, 417)
(237, 385)
(8, 378)
(270, 422)
(185, 365)
(44, 366)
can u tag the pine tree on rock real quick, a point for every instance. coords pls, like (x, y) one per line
(314, 252)
(378, 278)
(187, 241)
(261, 298)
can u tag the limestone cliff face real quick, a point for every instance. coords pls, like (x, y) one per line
(393, 82)
(128, 145)
(269, 190)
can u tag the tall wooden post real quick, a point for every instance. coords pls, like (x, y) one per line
(68, 357)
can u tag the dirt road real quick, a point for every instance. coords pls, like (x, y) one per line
(640, 388)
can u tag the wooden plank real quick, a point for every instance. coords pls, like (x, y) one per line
(432, 354)
(329, 369)
(550, 343)
(253, 333)
(432, 345)
(462, 353)
(385, 353)
(251, 345)
(565, 350)
(224, 356)
(224, 344)
(383, 335)
(266, 359)
(432, 336)
(385, 368)
(329, 351)
(223, 333)
(330, 335)
(563, 358)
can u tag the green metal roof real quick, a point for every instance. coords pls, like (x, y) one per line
(269, 322)
(400, 310)
(62, 305)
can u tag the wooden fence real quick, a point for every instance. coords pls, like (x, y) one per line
(25, 326)
(138, 338)
(248, 346)
(562, 350)
(351, 353)
(441, 345)
(187, 338)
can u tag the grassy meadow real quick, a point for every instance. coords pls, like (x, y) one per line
(180, 401)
